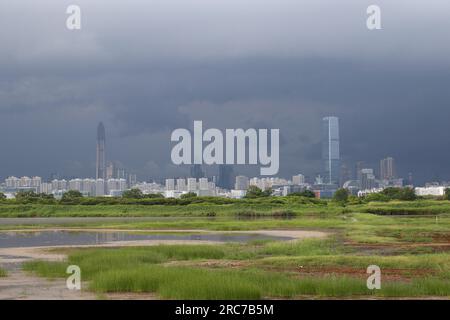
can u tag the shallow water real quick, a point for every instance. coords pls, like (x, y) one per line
(86, 220)
(63, 238)
(83, 220)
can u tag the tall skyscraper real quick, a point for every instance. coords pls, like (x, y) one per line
(330, 150)
(387, 169)
(101, 157)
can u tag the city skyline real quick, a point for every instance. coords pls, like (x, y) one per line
(389, 92)
(333, 171)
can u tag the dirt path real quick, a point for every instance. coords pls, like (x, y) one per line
(21, 286)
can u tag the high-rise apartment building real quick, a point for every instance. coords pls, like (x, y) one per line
(387, 169)
(203, 184)
(191, 184)
(100, 188)
(181, 184)
(110, 170)
(170, 184)
(298, 179)
(367, 179)
(242, 183)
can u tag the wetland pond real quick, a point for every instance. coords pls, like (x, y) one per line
(46, 238)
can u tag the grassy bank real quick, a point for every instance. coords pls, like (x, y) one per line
(245, 208)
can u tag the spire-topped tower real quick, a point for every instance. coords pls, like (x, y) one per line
(101, 156)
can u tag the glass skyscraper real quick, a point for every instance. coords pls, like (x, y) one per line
(330, 150)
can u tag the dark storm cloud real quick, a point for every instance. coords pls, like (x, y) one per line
(148, 67)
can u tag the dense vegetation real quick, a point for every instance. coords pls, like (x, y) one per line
(254, 196)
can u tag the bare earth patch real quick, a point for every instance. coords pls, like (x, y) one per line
(21, 286)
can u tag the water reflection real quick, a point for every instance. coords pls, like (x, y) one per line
(62, 238)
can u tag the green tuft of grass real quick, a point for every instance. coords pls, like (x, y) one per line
(3, 273)
(191, 283)
(306, 247)
(177, 283)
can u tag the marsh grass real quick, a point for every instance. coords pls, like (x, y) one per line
(438, 263)
(265, 269)
(140, 270)
(306, 247)
(189, 283)
(94, 261)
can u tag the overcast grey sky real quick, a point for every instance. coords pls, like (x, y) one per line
(145, 68)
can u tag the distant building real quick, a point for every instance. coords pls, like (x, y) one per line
(269, 183)
(352, 186)
(387, 169)
(365, 192)
(344, 175)
(110, 170)
(330, 150)
(76, 184)
(398, 183)
(298, 179)
(226, 177)
(89, 186)
(170, 184)
(242, 183)
(100, 187)
(238, 194)
(132, 180)
(101, 153)
(181, 184)
(203, 184)
(358, 167)
(116, 187)
(430, 191)
(197, 172)
(410, 179)
(367, 179)
(14, 184)
(286, 190)
(191, 184)
(46, 188)
(60, 185)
